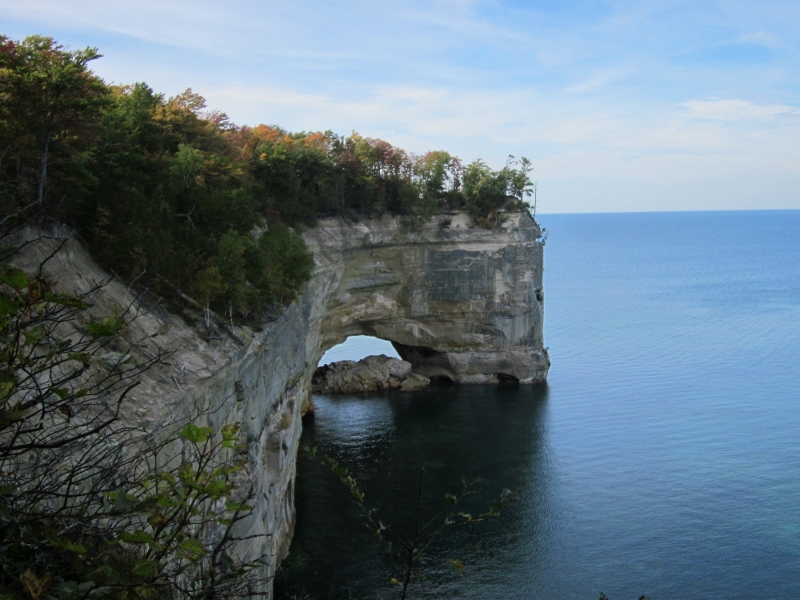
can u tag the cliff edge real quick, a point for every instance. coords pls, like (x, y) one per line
(457, 301)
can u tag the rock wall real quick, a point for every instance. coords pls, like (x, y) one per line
(458, 301)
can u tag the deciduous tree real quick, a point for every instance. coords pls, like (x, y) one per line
(51, 104)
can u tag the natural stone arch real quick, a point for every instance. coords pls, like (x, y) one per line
(456, 300)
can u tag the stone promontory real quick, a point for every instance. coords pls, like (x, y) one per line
(459, 302)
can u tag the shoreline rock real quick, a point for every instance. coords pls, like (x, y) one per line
(370, 374)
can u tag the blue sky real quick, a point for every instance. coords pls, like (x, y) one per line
(621, 105)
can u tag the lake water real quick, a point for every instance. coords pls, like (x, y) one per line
(662, 457)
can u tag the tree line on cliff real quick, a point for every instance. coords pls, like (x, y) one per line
(175, 196)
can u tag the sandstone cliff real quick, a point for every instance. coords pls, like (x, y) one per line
(458, 301)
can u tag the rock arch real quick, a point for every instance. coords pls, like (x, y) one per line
(456, 300)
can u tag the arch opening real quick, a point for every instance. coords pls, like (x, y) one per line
(356, 347)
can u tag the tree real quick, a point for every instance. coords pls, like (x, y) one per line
(484, 189)
(50, 102)
(231, 261)
(287, 262)
(518, 176)
(433, 172)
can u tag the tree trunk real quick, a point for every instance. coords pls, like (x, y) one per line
(43, 169)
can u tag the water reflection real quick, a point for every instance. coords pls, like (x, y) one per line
(497, 434)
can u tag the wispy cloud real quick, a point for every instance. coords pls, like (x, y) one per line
(761, 38)
(601, 79)
(164, 23)
(736, 110)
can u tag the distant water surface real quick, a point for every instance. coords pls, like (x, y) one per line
(663, 456)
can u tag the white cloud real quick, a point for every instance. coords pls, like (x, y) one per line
(600, 79)
(760, 38)
(736, 110)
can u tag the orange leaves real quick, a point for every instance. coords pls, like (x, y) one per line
(318, 140)
(266, 133)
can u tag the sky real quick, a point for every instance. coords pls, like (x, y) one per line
(638, 105)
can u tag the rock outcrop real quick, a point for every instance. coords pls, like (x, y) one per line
(457, 301)
(370, 374)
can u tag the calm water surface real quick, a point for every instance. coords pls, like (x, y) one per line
(663, 456)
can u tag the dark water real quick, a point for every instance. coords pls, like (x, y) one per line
(662, 458)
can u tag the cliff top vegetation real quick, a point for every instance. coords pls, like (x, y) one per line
(176, 197)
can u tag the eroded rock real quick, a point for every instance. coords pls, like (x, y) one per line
(373, 373)
(414, 383)
(463, 302)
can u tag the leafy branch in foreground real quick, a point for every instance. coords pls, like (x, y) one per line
(425, 531)
(180, 520)
(91, 506)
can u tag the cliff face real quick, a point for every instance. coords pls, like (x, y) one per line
(457, 301)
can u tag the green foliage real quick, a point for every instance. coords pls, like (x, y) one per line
(49, 106)
(156, 538)
(187, 165)
(288, 263)
(194, 434)
(169, 513)
(106, 327)
(440, 177)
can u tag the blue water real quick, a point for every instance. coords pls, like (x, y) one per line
(662, 458)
